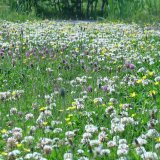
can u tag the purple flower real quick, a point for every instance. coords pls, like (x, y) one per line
(105, 88)
(131, 66)
(89, 89)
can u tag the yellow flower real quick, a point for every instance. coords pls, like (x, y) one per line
(104, 105)
(95, 100)
(61, 110)
(71, 108)
(70, 115)
(26, 150)
(139, 81)
(133, 95)
(42, 109)
(144, 77)
(69, 123)
(19, 145)
(45, 123)
(13, 93)
(77, 50)
(156, 83)
(120, 105)
(74, 103)
(157, 139)
(133, 115)
(68, 119)
(150, 73)
(153, 92)
(4, 154)
(110, 103)
(3, 131)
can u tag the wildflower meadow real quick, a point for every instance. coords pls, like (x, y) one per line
(79, 90)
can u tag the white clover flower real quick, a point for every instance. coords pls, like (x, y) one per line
(57, 130)
(111, 144)
(91, 128)
(70, 134)
(122, 152)
(151, 133)
(157, 79)
(47, 149)
(11, 142)
(94, 143)
(28, 139)
(140, 150)
(102, 136)
(141, 141)
(157, 146)
(122, 141)
(149, 156)
(83, 158)
(105, 152)
(68, 156)
(80, 151)
(29, 116)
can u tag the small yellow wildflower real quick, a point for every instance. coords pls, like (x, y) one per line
(3, 131)
(150, 73)
(120, 105)
(110, 103)
(157, 139)
(68, 119)
(71, 108)
(139, 81)
(77, 50)
(133, 115)
(133, 95)
(61, 110)
(13, 93)
(95, 100)
(144, 77)
(156, 83)
(70, 115)
(26, 150)
(74, 103)
(104, 105)
(4, 154)
(69, 123)
(153, 92)
(45, 123)
(42, 109)
(19, 145)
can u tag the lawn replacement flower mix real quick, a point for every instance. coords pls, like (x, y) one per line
(75, 90)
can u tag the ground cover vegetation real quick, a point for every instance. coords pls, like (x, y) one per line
(79, 91)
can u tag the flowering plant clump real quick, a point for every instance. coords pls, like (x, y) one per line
(79, 90)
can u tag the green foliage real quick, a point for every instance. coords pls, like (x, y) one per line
(130, 10)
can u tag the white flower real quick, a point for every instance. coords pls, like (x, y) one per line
(94, 143)
(70, 134)
(141, 141)
(149, 156)
(47, 149)
(91, 128)
(122, 152)
(157, 146)
(111, 144)
(151, 133)
(68, 156)
(140, 150)
(105, 152)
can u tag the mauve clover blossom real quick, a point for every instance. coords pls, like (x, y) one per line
(105, 88)
(89, 89)
(130, 65)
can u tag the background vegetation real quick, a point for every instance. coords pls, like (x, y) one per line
(135, 10)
